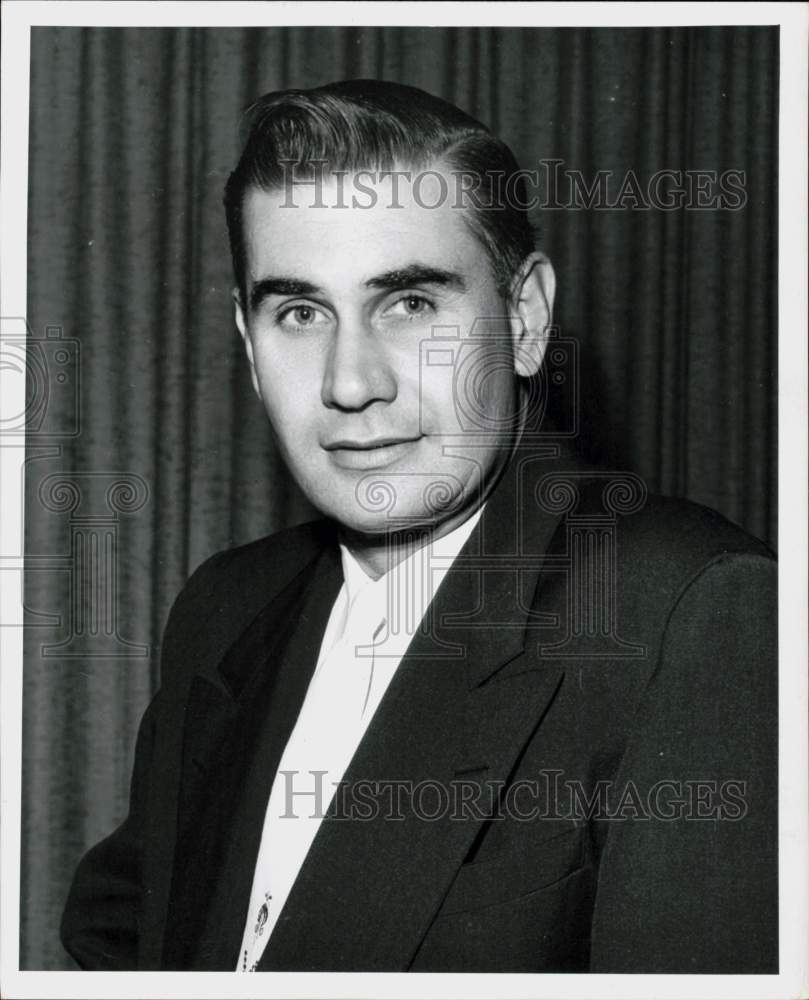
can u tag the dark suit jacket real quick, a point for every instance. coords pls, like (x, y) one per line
(602, 681)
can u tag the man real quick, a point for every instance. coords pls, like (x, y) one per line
(496, 711)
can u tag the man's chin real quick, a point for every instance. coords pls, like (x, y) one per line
(396, 526)
(379, 528)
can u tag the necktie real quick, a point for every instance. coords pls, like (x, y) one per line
(339, 702)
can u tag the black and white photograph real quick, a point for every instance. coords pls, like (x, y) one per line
(404, 490)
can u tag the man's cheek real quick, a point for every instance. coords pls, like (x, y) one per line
(437, 403)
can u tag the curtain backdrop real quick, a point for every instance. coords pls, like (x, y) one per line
(168, 457)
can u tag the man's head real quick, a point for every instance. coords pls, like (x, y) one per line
(364, 217)
(376, 125)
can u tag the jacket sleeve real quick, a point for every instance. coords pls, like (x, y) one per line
(100, 921)
(688, 877)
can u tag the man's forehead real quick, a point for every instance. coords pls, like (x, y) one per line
(434, 187)
(337, 227)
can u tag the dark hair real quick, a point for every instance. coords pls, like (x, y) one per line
(375, 124)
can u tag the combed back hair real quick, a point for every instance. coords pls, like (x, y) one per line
(376, 125)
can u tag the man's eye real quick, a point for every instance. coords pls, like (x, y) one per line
(411, 305)
(299, 316)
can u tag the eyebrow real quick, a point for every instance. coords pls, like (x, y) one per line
(280, 286)
(416, 274)
(395, 280)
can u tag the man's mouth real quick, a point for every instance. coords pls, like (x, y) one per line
(370, 453)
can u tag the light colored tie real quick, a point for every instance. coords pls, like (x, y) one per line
(314, 761)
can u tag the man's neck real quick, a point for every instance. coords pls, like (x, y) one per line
(379, 554)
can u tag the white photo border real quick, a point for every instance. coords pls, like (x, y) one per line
(18, 16)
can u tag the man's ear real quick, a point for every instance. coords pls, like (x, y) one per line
(241, 323)
(532, 294)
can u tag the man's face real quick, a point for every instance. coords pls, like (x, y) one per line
(379, 428)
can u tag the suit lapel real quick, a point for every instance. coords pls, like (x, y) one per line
(370, 888)
(237, 716)
(461, 707)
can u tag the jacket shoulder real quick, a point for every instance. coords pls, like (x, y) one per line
(266, 564)
(679, 539)
(658, 549)
(670, 534)
(669, 523)
(227, 591)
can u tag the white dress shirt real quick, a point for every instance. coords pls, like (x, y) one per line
(368, 632)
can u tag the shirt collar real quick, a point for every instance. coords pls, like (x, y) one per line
(447, 547)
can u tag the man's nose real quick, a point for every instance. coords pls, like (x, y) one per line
(357, 372)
